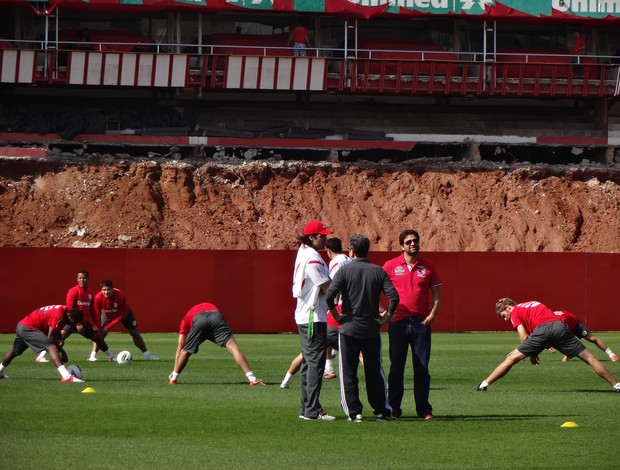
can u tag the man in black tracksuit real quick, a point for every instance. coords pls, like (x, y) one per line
(360, 284)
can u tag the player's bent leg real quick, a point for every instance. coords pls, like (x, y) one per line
(597, 341)
(54, 354)
(137, 339)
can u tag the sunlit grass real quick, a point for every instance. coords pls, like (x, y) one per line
(213, 419)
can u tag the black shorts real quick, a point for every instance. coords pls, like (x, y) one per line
(29, 338)
(332, 337)
(129, 322)
(553, 334)
(88, 331)
(581, 330)
(209, 326)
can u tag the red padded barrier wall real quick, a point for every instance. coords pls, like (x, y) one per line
(253, 288)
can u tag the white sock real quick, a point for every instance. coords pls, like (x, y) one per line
(617, 386)
(93, 354)
(2, 368)
(42, 354)
(64, 372)
(484, 383)
(287, 378)
(609, 352)
(174, 375)
(108, 353)
(251, 377)
(329, 365)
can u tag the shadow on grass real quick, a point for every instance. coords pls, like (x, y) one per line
(519, 417)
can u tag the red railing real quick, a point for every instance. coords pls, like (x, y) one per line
(350, 75)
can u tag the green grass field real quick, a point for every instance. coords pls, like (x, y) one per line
(213, 419)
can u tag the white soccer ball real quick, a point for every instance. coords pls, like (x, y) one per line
(124, 357)
(76, 371)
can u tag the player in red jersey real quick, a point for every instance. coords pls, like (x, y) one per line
(41, 330)
(581, 331)
(112, 308)
(205, 322)
(81, 297)
(539, 328)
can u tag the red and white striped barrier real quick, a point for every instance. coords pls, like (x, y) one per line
(127, 69)
(17, 66)
(276, 73)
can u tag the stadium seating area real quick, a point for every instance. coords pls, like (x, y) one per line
(251, 44)
(409, 57)
(105, 40)
(533, 63)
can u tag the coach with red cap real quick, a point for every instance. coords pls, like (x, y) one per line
(310, 281)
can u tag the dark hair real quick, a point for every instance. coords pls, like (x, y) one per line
(107, 283)
(75, 315)
(360, 245)
(334, 244)
(305, 239)
(405, 233)
(83, 271)
(502, 303)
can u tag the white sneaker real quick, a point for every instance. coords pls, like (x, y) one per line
(92, 359)
(284, 385)
(356, 419)
(38, 360)
(617, 387)
(150, 357)
(3, 375)
(322, 416)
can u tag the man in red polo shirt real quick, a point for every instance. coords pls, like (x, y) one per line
(40, 330)
(112, 308)
(539, 328)
(419, 287)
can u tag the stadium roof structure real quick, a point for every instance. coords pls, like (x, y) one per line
(529, 10)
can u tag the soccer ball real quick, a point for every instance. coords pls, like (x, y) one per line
(75, 371)
(124, 357)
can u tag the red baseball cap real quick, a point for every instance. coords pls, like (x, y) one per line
(315, 227)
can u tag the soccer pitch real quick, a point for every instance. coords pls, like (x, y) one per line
(213, 419)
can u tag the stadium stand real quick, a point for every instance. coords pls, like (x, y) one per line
(539, 62)
(420, 56)
(251, 44)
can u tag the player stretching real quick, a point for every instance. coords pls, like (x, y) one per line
(539, 328)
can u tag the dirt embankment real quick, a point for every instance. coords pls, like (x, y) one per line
(127, 202)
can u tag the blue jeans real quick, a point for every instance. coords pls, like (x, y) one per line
(404, 334)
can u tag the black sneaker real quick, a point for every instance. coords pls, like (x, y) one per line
(480, 388)
(382, 417)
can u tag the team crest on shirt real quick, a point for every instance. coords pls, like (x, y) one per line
(90, 296)
(399, 270)
(584, 333)
(115, 304)
(421, 270)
